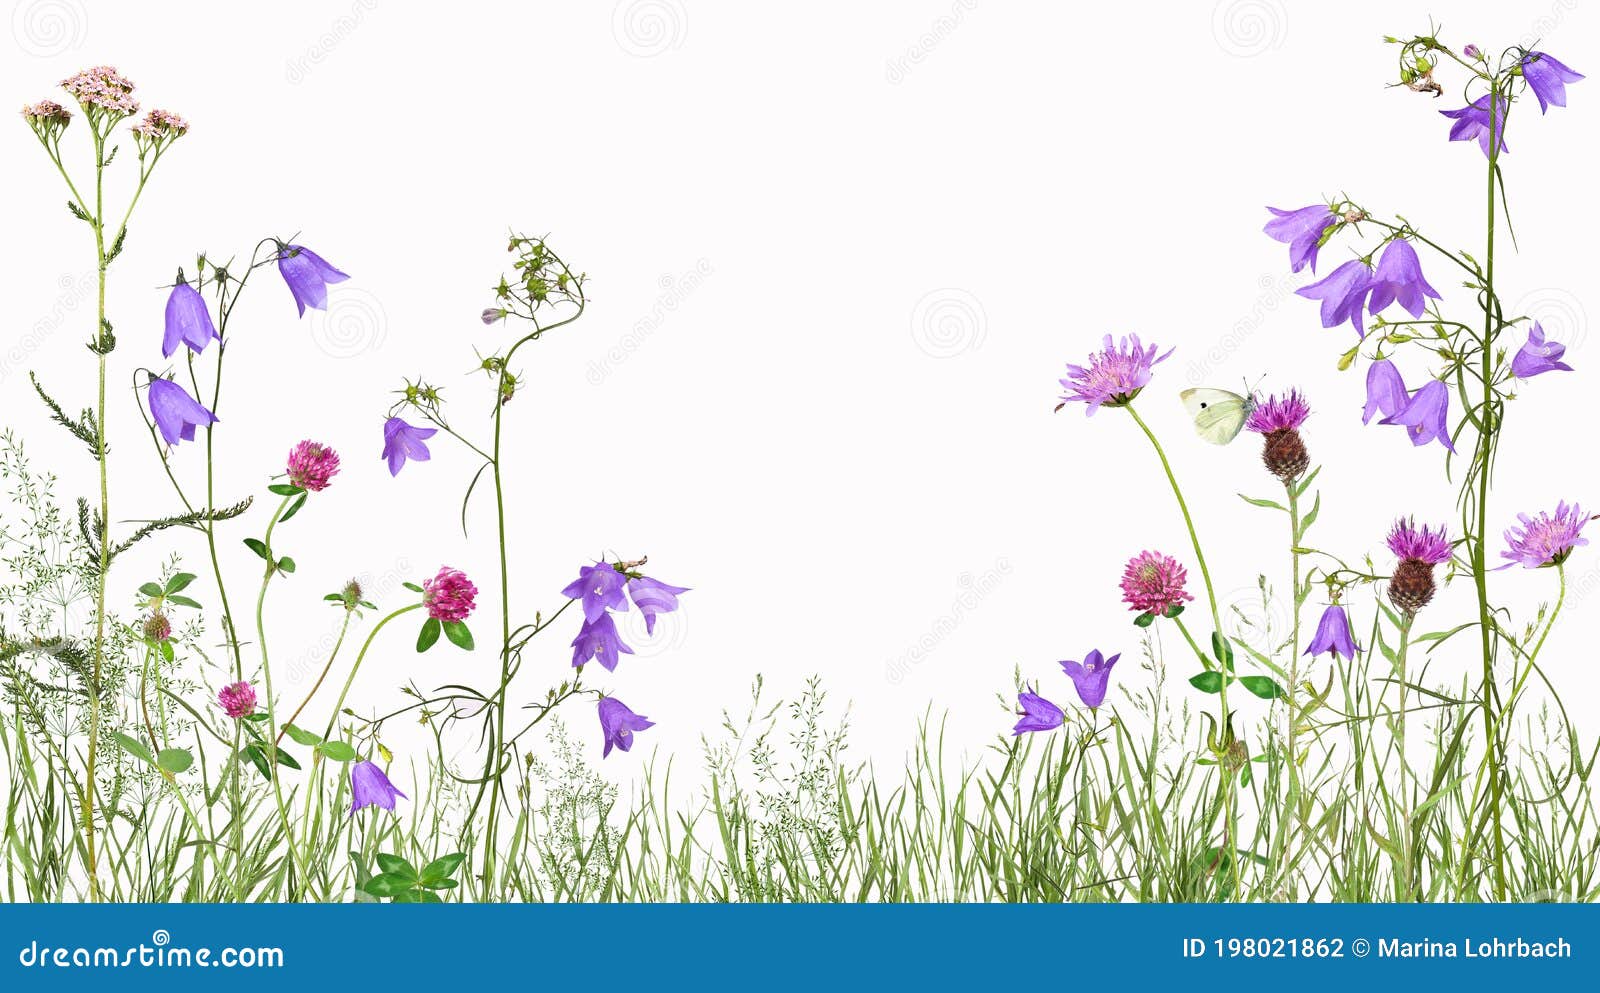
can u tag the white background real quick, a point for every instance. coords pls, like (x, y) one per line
(840, 254)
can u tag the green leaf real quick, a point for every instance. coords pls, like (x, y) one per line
(443, 884)
(396, 865)
(458, 634)
(337, 751)
(150, 589)
(334, 598)
(133, 747)
(284, 489)
(256, 545)
(1207, 682)
(1264, 687)
(285, 759)
(258, 758)
(428, 635)
(1144, 620)
(1263, 502)
(183, 601)
(294, 508)
(408, 896)
(388, 884)
(1245, 775)
(413, 587)
(1174, 611)
(179, 582)
(442, 869)
(174, 760)
(167, 651)
(1310, 518)
(301, 735)
(1222, 649)
(286, 564)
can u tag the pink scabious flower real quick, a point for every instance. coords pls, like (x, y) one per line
(1279, 413)
(161, 124)
(1153, 583)
(1407, 541)
(449, 596)
(104, 88)
(1547, 539)
(312, 465)
(238, 700)
(1115, 374)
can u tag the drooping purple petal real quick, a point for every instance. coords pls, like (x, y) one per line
(1302, 231)
(618, 724)
(598, 640)
(307, 275)
(369, 787)
(175, 412)
(1334, 635)
(1538, 356)
(653, 597)
(1472, 123)
(1343, 293)
(403, 442)
(1091, 677)
(1037, 713)
(1548, 79)
(1399, 277)
(1426, 416)
(188, 322)
(1386, 391)
(600, 588)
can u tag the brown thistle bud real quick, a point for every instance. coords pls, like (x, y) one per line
(1419, 549)
(1284, 454)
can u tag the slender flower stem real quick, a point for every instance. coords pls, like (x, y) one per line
(270, 745)
(344, 626)
(1291, 800)
(1188, 522)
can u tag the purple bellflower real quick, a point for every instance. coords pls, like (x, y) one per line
(1426, 415)
(1538, 356)
(1386, 391)
(598, 640)
(1334, 635)
(618, 723)
(403, 443)
(176, 413)
(653, 597)
(369, 787)
(1037, 713)
(1091, 676)
(1343, 293)
(1548, 79)
(1399, 278)
(599, 586)
(1472, 123)
(1302, 231)
(307, 275)
(188, 321)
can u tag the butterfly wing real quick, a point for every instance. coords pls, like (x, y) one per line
(1219, 415)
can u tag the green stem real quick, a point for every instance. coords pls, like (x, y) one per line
(270, 744)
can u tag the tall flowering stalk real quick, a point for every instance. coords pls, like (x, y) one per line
(106, 100)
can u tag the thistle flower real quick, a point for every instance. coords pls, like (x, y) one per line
(449, 596)
(1334, 635)
(238, 700)
(175, 412)
(1386, 392)
(312, 465)
(618, 724)
(1037, 713)
(1419, 550)
(1115, 374)
(1091, 676)
(188, 321)
(1279, 419)
(307, 275)
(1152, 583)
(403, 442)
(1472, 123)
(158, 124)
(1548, 539)
(1426, 415)
(653, 597)
(1302, 230)
(102, 88)
(1538, 356)
(1548, 79)
(598, 640)
(370, 787)
(599, 586)
(157, 628)
(1343, 293)
(1399, 278)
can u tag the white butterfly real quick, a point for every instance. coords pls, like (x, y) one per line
(1219, 415)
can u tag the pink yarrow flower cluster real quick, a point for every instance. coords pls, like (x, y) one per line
(46, 111)
(1153, 583)
(161, 124)
(312, 466)
(449, 596)
(102, 87)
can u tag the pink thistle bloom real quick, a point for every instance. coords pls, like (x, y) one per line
(449, 596)
(104, 88)
(312, 465)
(1547, 539)
(1153, 583)
(1407, 541)
(1279, 413)
(238, 700)
(1115, 374)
